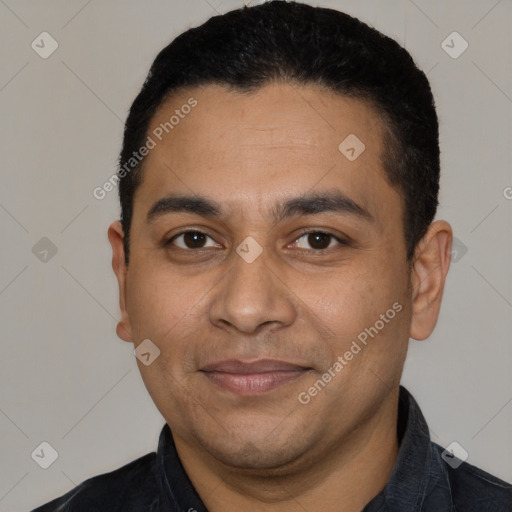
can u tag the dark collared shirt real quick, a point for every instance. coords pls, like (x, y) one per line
(421, 480)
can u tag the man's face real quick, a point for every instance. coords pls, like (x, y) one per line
(295, 307)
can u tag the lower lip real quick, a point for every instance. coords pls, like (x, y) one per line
(254, 383)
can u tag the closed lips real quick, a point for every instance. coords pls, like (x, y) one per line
(253, 378)
(244, 368)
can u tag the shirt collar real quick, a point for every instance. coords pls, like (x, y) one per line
(176, 489)
(418, 467)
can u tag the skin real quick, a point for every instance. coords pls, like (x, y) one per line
(295, 303)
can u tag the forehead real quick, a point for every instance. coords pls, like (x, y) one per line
(251, 149)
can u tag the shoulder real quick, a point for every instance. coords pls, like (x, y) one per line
(133, 484)
(473, 489)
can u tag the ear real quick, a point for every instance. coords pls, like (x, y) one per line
(116, 237)
(431, 263)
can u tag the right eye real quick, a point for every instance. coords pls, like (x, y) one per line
(190, 240)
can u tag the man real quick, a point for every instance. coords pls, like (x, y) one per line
(276, 251)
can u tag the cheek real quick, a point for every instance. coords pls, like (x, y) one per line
(159, 303)
(165, 310)
(351, 304)
(345, 301)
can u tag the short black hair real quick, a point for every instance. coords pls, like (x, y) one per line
(288, 42)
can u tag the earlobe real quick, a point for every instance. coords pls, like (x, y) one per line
(116, 237)
(431, 263)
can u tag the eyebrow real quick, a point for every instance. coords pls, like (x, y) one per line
(308, 204)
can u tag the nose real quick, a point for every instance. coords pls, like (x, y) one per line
(252, 295)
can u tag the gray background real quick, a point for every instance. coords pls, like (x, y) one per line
(65, 377)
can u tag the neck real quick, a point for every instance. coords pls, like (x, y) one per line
(343, 477)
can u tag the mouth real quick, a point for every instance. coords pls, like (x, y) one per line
(253, 378)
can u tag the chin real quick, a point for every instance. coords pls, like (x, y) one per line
(264, 445)
(250, 455)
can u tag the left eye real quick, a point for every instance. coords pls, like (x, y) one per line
(317, 240)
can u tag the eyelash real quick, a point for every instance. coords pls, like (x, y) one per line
(341, 242)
